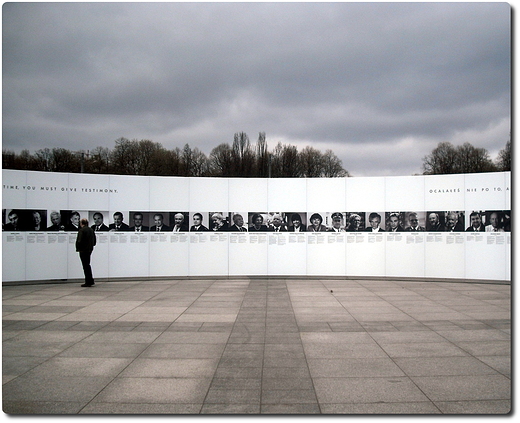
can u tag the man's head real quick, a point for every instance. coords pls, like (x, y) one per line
(37, 217)
(158, 219)
(74, 218)
(337, 220)
(238, 220)
(277, 220)
(13, 217)
(494, 219)
(84, 222)
(178, 218)
(393, 221)
(138, 219)
(375, 220)
(98, 218)
(433, 218)
(413, 219)
(476, 219)
(452, 220)
(118, 218)
(55, 218)
(197, 219)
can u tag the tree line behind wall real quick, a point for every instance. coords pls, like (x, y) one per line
(145, 157)
(240, 159)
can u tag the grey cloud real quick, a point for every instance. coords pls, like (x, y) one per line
(344, 73)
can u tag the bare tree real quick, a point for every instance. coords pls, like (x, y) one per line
(504, 157)
(332, 166)
(221, 160)
(311, 161)
(447, 159)
(441, 160)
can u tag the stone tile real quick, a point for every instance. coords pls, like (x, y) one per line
(233, 396)
(289, 396)
(15, 366)
(236, 383)
(170, 368)
(475, 335)
(336, 338)
(367, 390)
(183, 351)
(113, 350)
(12, 348)
(424, 407)
(354, 367)
(28, 407)
(475, 407)
(54, 388)
(290, 409)
(478, 348)
(150, 390)
(443, 366)
(110, 337)
(501, 364)
(79, 367)
(239, 373)
(171, 337)
(337, 350)
(286, 383)
(287, 372)
(116, 408)
(465, 388)
(430, 349)
(230, 409)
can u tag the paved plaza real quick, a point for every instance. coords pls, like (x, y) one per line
(259, 345)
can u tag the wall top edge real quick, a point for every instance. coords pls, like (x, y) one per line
(234, 178)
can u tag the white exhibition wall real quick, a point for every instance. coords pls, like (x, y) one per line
(50, 255)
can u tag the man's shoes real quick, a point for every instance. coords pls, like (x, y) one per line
(87, 285)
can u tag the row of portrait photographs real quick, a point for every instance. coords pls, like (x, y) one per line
(178, 221)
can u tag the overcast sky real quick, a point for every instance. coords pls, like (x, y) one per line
(380, 84)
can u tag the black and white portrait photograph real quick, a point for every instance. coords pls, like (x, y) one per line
(177, 222)
(316, 222)
(375, 222)
(219, 221)
(497, 221)
(15, 220)
(199, 222)
(257, 222)
(454, 221)
(97, 220)
(119, 222)
(394, 221)
(238, 222)
(297, 222)
(355, 221)
(436, 221)
(71, 219)
(276, 222)
(139, 221)
(415, 221)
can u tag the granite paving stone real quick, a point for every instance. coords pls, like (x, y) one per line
(240, 346)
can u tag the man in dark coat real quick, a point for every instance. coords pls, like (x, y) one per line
(85, 242)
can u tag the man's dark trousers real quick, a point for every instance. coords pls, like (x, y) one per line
(85, 261)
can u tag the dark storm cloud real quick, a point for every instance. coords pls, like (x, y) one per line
(386, 79)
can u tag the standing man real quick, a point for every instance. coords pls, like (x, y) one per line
(85, 242)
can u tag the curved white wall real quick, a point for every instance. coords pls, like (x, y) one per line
(30, 255)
